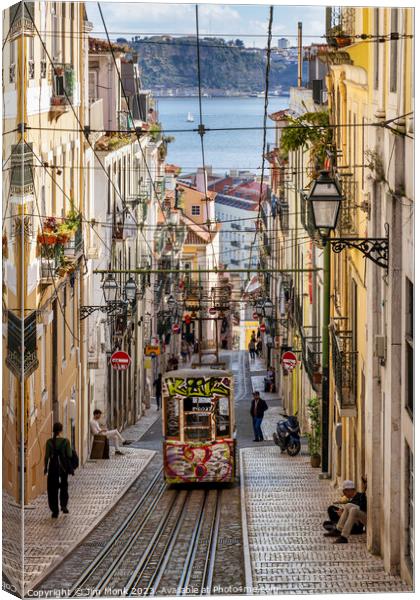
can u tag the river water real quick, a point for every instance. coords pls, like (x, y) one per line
(223, 150)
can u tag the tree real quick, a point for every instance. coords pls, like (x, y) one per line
(239, 43)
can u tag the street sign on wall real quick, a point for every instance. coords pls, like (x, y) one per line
(120, 360)
(289, 360)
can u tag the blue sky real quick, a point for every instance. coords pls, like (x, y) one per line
(229, 20)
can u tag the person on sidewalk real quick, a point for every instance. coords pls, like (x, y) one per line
(353, 513)
(58, 467)
(113, 434)
(258, 408)
(158, 390)
(259, 347)
(335, 512)
(251, 347)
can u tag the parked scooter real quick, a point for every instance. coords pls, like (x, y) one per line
(287, 436)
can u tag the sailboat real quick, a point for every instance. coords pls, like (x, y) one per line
(190, 118)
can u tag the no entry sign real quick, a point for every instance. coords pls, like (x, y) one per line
(175, 328)
(212, 311)
(120, 361)
(262, 327)
(289, 360)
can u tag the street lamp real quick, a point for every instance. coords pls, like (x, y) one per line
(325, 197)
(268, 308)
(110, 288)
(130, 290)
(259, 308)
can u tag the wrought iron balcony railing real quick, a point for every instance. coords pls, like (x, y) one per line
(311, 357)
(344, 363)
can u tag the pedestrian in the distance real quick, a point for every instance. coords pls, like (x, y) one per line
(251, 348)
(58, 467)
(258, 408)
(158, 390)
(259, 348)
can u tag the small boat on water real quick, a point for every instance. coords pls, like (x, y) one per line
(190, 118)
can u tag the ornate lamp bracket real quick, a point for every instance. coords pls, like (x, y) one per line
(111, 309)
(375, 249)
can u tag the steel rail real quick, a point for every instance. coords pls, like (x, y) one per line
(119, 532)
(132, 586)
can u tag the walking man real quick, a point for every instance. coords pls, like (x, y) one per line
(251, 347)
(158, 390)
(112, 434)
(57, 467)
(258, 408)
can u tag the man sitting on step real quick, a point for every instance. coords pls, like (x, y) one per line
(114, 435)
(349, 519)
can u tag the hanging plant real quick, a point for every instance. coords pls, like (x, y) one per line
(312, 131)
(47, 238)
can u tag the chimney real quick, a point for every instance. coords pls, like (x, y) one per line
(201, 180)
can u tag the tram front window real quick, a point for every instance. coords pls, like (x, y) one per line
(197, 419)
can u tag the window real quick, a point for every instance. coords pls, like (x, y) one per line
(409, 347)
(195, 210)
(393, 52)
(54, 32)
(93, 86)
(31, 63)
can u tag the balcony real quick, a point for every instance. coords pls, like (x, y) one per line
(236, 226)
(344, 363)
(20, 21)
(283, 210)
(118, 231)
(297, 313)
(48, 270)
(347, 222)
(22, 160)
(73, 248)
(311, 358)
(63, 88)
(235, 243)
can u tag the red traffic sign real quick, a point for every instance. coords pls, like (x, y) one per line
(187, 319)
(262, 328)
(120, 361)
(175, 328)
(289, 360)
(212, 311)
(255, 315)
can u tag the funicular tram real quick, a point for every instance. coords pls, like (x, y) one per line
(198, 426)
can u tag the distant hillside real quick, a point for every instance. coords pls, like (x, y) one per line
(172, 62)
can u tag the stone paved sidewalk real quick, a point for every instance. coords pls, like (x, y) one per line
(283, 507)
(94, 490)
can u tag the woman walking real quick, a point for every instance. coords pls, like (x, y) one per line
(58, 466)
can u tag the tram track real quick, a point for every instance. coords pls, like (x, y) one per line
(140, 559)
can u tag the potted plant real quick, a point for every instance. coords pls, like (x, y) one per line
(47, 238)
(314, 436)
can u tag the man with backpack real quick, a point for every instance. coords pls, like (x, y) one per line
(60, 462)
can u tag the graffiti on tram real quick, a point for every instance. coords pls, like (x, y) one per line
(212, 461)
(203, 387)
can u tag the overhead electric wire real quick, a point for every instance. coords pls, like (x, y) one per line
(267, 84)
(217, 129)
